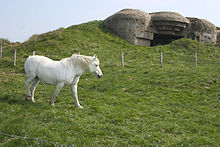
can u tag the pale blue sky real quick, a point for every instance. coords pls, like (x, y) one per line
(20, 19)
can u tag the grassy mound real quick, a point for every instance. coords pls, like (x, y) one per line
(141, 104)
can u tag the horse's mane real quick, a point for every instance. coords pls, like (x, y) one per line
(77, 60)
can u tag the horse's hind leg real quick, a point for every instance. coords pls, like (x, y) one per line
(27, 83)
(33, 87)
(58, 88)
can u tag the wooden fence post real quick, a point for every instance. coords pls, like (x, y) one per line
(161, 59)
(1, 52)
(15, 57)
(122, 59)
(195, 59)
(33, 53)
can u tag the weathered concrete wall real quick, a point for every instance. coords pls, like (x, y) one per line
(131, 25)
(168, 26)
(202, 30)
(170, 23)
(141, 28)
(218, 35)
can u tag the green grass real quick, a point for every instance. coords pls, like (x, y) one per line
(139, 105)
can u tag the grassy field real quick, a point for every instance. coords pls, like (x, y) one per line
(141, 104)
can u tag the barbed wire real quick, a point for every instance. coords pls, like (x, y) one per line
(36, 139)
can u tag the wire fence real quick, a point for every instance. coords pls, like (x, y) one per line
(169, 58)
(35, 139)
(163, 58)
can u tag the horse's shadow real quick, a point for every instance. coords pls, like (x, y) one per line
(23, 102)
(11, 101)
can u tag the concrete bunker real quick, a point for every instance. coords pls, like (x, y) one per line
(150, 29)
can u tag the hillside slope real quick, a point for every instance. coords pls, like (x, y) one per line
(141, 104)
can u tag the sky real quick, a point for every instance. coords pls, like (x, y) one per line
(20, 19)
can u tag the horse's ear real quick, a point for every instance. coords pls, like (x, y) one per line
(94, 57)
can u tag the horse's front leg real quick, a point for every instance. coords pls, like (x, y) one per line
(58, 88)
(74, 90)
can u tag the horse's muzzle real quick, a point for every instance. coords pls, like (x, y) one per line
(99, 76)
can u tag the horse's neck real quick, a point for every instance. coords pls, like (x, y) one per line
(79, 70)
(81, 66)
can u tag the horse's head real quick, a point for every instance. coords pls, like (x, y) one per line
(94, 67)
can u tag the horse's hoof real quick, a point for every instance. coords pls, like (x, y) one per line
(80, 107)
(33, 101)
(52, 104)
(28, 98)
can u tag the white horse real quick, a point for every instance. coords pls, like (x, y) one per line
(60, 73)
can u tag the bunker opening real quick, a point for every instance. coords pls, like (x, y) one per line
(161, 39)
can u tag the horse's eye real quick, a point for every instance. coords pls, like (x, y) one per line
(96, 65)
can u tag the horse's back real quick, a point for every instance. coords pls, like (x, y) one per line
(32, 63)
(49, 71)
(45, 69)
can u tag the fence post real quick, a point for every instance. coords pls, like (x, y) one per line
(161, 59)
(195, 59)
(15, 57)
(33, 53)
(122, 59)
(1, 52)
